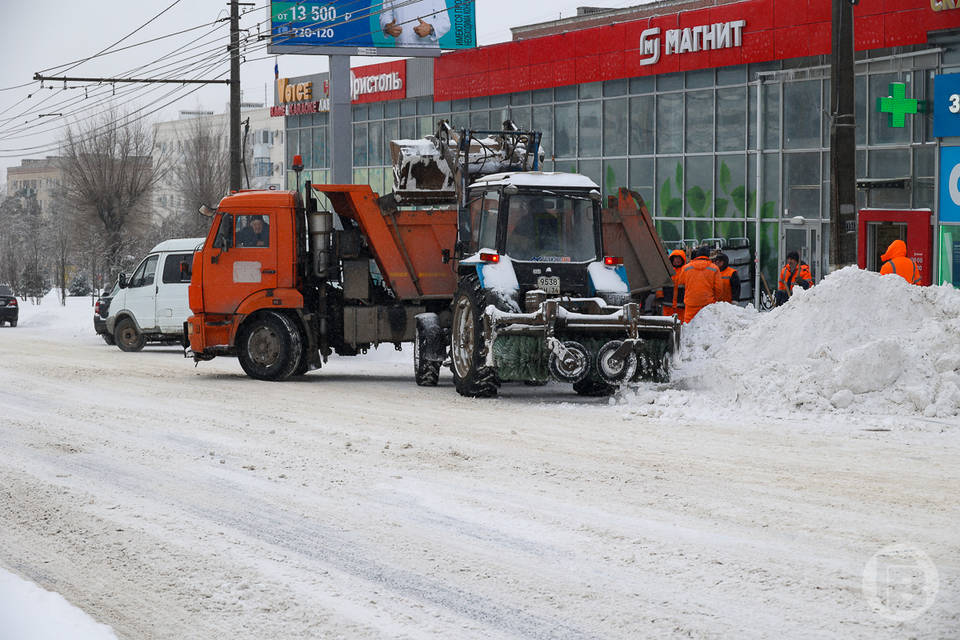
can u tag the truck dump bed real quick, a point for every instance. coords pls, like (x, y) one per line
(407, 244)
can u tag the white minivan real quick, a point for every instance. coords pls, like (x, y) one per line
(153, 303)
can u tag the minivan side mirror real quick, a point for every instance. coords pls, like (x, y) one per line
(122, 280)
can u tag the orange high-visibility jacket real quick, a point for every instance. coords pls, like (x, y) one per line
(897, 262)
(788, 279)
(701, 281)
(677, 294)
(726, 285)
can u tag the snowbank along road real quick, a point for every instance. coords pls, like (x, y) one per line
(169, 501)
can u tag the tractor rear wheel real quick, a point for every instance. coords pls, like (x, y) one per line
(468, 348)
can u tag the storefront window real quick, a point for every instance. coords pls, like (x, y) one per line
(642, 85)
(592, 169)
(591, 90)
(889, 163)
(669, 123)
(771, 116)
(391, 109)
(319, 146)
(732, 75)
(801, 184)
(543, 122)
(880, 130)
(641, 125)
(359, 145)
(770, 196)
(699, 121)
(669, 199)
(614, 88)
(375, 144)
(566, 134)
(669, 230)
(698, 187)
(520, 99)
(590, 131)
(391, 131)
(641, 180)
(615, 127)
(408, 128)
(699, 79)
(949, 271)
(801, 115)
(731, 119)
(293, 146)
(731, 195)
(542, 96)
(376, 110)
(669, 81)
(566, 94)
(614, 176)
(408, 107)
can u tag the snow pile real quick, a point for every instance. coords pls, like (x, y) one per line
(27, 612)
(50, 317)
(855, 343)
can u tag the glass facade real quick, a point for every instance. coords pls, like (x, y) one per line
(687, 142)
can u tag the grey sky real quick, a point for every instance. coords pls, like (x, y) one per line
(36, 36)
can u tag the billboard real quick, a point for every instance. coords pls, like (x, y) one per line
(368, 27)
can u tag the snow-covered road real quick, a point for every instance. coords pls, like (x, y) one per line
(169, 501)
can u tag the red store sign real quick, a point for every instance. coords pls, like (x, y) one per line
(717, 36)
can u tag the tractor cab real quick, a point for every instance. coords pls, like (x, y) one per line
(547, 224)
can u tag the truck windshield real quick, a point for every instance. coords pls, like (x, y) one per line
(550, 228)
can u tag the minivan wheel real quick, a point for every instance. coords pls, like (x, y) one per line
(127, 337)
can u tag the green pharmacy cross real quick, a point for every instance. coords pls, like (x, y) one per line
(898, 105)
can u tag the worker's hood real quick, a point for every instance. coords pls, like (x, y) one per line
(897, 249)
(681, 253)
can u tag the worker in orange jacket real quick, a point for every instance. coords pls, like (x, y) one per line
(671, 298)
(896, 261)
(729, 279)
(793, 274)
(701, 281)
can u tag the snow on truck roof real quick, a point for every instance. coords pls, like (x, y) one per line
(178, 244)
(538, 179)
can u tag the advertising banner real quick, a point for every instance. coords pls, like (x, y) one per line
(368, 27)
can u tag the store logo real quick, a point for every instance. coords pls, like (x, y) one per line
(708, 37)
(900, 583)
(299, 92)
(381, 83)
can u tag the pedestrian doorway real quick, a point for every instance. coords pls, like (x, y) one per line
(879, 236)
(803, 236)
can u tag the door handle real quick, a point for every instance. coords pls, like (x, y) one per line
(268, 271)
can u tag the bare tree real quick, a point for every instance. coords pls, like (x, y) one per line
(108, 177)
(12, 234)
(200, 176)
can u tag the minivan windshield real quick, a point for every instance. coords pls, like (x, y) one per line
(550, 228)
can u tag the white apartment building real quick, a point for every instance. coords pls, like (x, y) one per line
(264, 149)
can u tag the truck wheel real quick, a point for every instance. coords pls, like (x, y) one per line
(468, 348)
(269, 347)
(108, 338)
(127, 337)
(427, 340)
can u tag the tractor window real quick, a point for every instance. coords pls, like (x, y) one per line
(487, 232)
(177, 267)
(253, 231)
(552, 228)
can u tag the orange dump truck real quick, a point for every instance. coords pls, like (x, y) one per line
(526, 278)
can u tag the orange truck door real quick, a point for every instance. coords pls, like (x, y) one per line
(242, 260)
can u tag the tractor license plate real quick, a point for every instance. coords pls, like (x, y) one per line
(550, 284)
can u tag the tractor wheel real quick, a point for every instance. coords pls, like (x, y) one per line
(468, 349)
(127, 337)
(269, 346)
(426, 336)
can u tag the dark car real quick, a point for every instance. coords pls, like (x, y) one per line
(100, 312)
(9, 309)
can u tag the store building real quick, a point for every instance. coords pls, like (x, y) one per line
(663, 98)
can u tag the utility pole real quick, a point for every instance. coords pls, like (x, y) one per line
(843, 140)
(235, 159)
